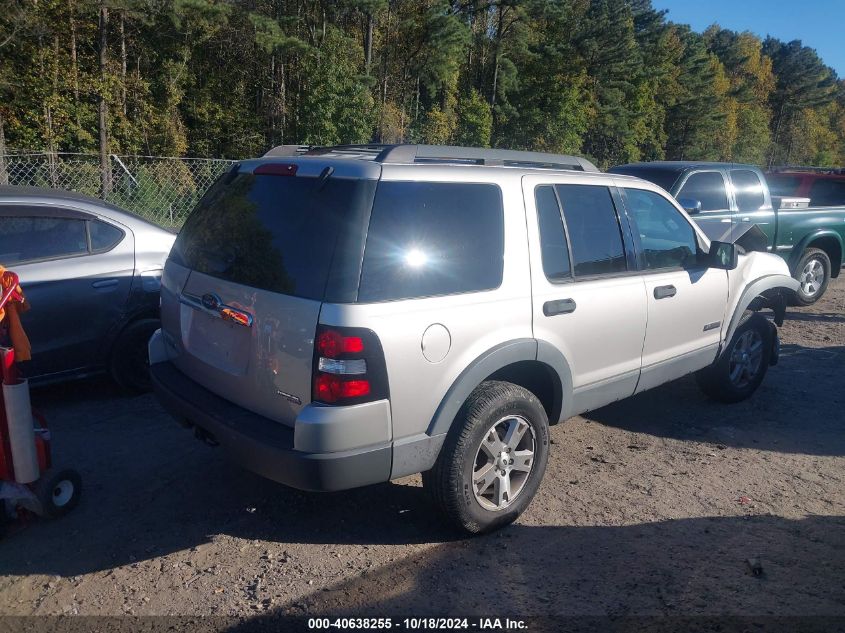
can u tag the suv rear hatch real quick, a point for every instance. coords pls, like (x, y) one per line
(246, 278)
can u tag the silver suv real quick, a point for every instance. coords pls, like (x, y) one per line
(338, 317)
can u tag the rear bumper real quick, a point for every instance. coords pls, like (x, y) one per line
(262, 445)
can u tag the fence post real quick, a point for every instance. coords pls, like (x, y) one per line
(4, 172)
(105, 176)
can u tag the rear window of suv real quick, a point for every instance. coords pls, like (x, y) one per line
(433, 238)
(285, 234)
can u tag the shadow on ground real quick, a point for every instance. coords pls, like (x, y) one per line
(816, 317)
(150, 490)
(797, 409)
(700, 566)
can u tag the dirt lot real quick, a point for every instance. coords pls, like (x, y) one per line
(638, 515)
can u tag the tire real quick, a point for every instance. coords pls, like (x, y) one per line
(58, 492)
(743, 365)
(492, 411)
(813, 273)
(130, 361)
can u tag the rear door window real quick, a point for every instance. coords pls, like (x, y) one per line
(433, 238)
(594, 230)
(708, 187)
(30, 238)
(553, 247)
(748, 190)
(277, 233)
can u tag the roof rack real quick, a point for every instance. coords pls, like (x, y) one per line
(436, 154)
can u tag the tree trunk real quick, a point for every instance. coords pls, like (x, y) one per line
(51, 149)
(383, 87)
(4, 171)
(123, 61)
(102, 106)
(51, 137)
(282, 104)
(368, 44)
(273, 100)
(417, 101)
(777, 135)
(74, 68)
(496, 55)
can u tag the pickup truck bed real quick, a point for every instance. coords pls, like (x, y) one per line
(810, 239)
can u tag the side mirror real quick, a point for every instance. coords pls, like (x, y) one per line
(723, 255)
(690, 206)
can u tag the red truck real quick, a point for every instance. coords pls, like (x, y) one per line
(824, 187)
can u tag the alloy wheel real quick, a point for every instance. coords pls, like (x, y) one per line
(812, 278)
(746, 359)
(503, 462)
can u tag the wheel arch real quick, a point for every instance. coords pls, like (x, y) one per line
(768, 291)
(828, 241)
(535, 365)
(145, 312)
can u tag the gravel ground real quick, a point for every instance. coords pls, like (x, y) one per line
(639, 514)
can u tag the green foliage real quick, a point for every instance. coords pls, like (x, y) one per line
(336, 107)
(611, 79)
(475, 121)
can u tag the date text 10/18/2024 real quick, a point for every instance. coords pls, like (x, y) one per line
(423, 624)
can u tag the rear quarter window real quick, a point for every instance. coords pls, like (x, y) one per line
(433, 238)
(103, 236)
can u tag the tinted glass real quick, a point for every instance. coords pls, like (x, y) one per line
(660, 176)
(429, 239)
(277, 233)
(783, 185)
(666, 238)
(103, 236)
(24, 239)
(708, 187)
(593, 229)
(553, 247)
(826, 192)
(748, 190)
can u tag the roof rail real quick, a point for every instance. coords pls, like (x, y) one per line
(408, 154)
(481, 156)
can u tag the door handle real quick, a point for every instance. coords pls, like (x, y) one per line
(662, 292)
(213, 306)
(560, 306)
(105, 283)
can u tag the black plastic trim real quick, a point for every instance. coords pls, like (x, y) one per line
(559, 306)
(262, 445)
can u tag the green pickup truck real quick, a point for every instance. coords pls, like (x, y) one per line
(810, 239)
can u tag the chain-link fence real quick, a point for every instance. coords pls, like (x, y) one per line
(163, 190)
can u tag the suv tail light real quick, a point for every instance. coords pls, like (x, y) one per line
(348, 366)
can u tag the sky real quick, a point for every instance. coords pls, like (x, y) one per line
(819, 24)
